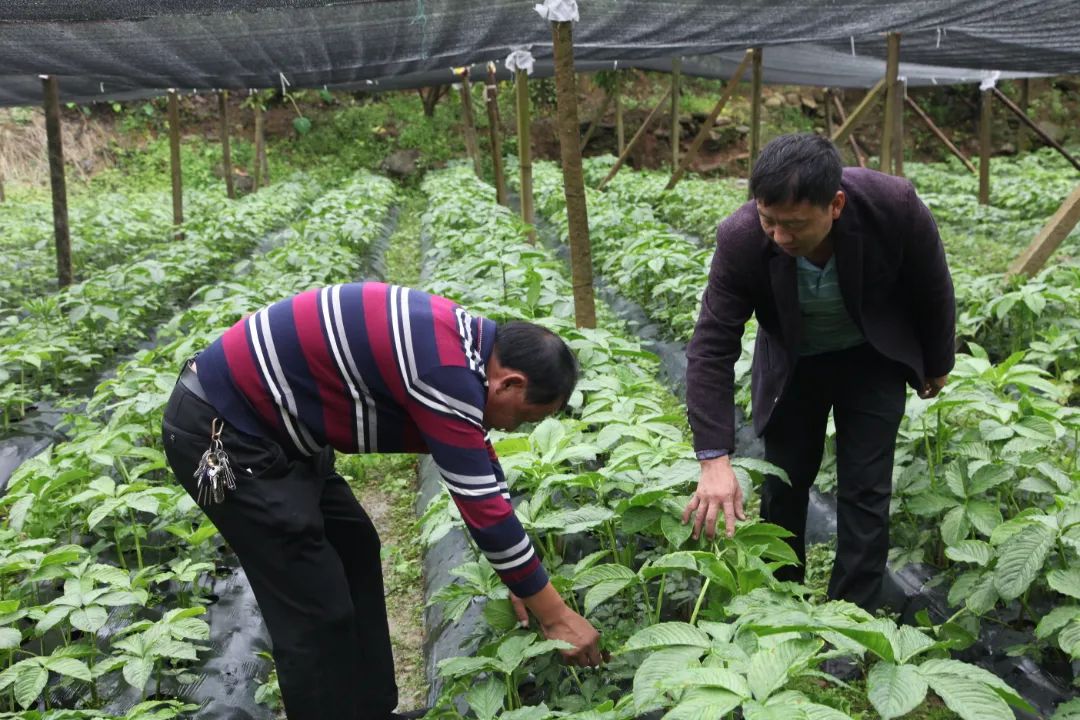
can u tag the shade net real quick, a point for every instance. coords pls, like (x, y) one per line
(117, 49)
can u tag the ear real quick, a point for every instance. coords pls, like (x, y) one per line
(837, 205)
(511, 380)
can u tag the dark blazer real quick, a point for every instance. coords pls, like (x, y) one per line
(893, 278)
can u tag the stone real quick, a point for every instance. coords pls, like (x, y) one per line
(401, 163)
(809, 102)
(1054, 130)
(774, 101)
(792, 98)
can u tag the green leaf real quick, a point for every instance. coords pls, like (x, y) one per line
(10, 638)
(770, 666)
(137, 672)
(655, 669)
(1021, 560)
(462, 666)
(988, 477)
(955, 526)
(90, 619)
(1069, 639)
(486, 699)
(895, 689)
(1056, 619)
(704, 704)
(939, 667)
(708, 677)
(984, 515)
(574, 520)
(602, 573)
(971, 551)
(1066, 582)
(680, 560)
(665, 635)
(69, 667)
(793, 700)
(908, 642)
(674, 530)
(30, 680)
(969, 699)
(500, 615)
(605, 590)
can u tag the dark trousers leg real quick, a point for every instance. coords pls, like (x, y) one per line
(794, 441)
(868, 406)
(276, 522)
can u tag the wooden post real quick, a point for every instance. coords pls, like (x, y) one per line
(858, 114)
(828, 112)
(986, 116)
(263, 162)
(940, 134)
(1025, 97)
(1049, 238)
(707, 126)
(618, 112)
(892, 87)
(258, 143)
(226, 154)
(676, 127)
(581, 269)
(491, 97)
(898, 129)
(468, 120)
(56, 176)
(1038, 130)
(634, 141)
(860, 156)
(595, 122)
(755, 105)
(174, 164)
(524, 141)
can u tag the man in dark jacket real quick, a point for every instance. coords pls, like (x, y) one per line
(846, 273)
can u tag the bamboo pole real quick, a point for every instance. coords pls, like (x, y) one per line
(1034, 126)
(676, 127)
(226, 153)
(524, 141)
(491, 96)
(860, 155)
(986, 116)
(634, 141)
(858, 114)
(755, 105)
(573, 179)
(595, 122)
(892, 87)
(618, 112)
(1021, 134)
(57, 180)
(1049, 238)
(940, 134)
(174, 164)
(707, 126)
(469, 121)
(258, 143)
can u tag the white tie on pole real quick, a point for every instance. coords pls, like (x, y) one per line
(989, 82)
(558, 10)
(520, 59)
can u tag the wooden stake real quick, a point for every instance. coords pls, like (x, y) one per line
(573, 179)
(600, 113)
(56, 176)
(986, 116)
(524, 141)
(174, 164)
(1034, 126)
(618, 112)
(860, 155)
(491, 97)
(859, 114)
(892, 89)
(226, 153)
(828, 112)
(258, 143)
(469, 121)
(940, 134)
(676, 127)
(755, 105)
(634, 141)
(898, 129)
(707, 126)
(1021, 134)
(262, 152)
(1049, 238)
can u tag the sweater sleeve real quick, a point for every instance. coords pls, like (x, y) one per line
(926, 273)
(715, 347)
(471, 473)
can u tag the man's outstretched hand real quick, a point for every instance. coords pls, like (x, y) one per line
(718, 491)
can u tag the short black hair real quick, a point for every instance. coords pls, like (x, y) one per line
(542, 357)
(797, 167)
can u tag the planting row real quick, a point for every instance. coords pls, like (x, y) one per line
(697, 628)
(68, 337)
(102, 558)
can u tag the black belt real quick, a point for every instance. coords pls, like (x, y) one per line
(190, 380)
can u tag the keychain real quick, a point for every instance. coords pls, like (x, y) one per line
(214, 474)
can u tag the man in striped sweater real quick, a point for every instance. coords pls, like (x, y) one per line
(251, 430)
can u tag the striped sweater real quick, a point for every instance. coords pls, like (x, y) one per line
(370, 367)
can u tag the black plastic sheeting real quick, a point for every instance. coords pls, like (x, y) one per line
(117, 48)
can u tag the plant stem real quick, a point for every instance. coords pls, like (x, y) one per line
(700, 599)
(135, 534)
(660, 598)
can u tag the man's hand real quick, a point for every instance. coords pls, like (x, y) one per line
(559, 622)
(520, 611)
(717, 490)
(932, 387)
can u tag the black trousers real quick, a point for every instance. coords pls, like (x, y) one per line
(312, 556)
(866, 392)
